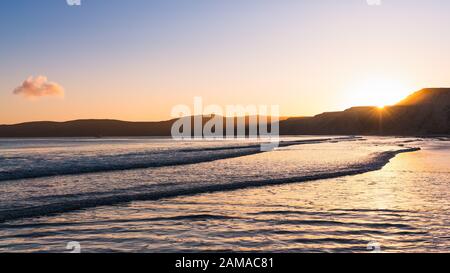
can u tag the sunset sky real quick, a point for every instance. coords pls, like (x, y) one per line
(135, 60)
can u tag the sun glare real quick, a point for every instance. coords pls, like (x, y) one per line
(377, 92)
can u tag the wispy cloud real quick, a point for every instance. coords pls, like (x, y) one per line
(35, 87)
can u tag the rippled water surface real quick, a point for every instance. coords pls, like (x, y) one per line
(312, 194)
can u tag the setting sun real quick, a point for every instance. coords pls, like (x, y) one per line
(377, 92)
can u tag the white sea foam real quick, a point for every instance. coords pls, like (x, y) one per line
(242, 167)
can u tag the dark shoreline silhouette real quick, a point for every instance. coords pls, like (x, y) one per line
(424, 113)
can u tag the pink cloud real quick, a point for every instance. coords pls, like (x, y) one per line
(39, 87)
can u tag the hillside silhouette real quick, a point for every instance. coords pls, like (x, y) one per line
(426, 112)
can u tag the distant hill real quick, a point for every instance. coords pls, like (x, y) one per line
(426, 112)
(86, 128)
(98, 128)
(428, 96)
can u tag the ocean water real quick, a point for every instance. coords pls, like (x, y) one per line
(312, 194)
